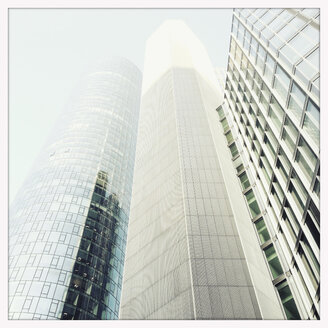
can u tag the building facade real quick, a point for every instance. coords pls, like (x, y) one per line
(270, 118)
(190, 250)
(68, 223)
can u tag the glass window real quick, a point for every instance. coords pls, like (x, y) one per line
(276, 113)
(301, 45)
(315, 233)
(273, 261)
(267, 170)
(266, 34)
(306, 159)
(276, 42)
(240, 35)
(261, 58)
(254, 45)
(296, 101)
(252, 203)
(315, 264)
(314, 212)
(316, 187)
(280, 20)
(267, 17)
(225, 125)
(290, 134)
(309, 67)
(298, 191)
(282, 170)
(244, 180)
(310, 12)
(291, 221)
(269, 67)
(262, 230)
(311, 33)
(220, 112)
(229, 137)
(288, 54)
(287, 301)
(281, 83)
(311, 121)
(287, 31)
(308, 266)
(233, 150)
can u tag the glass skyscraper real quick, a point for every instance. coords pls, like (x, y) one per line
(270, 118)
(68, 224)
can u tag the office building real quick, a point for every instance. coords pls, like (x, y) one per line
(270, 118)
(68, 224)
(192, 251)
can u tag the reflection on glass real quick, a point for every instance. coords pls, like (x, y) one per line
(288, 301)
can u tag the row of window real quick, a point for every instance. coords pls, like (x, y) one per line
(263, 234)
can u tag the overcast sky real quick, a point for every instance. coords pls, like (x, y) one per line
(49, 49)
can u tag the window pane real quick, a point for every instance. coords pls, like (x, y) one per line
(296, 101)
(229, 137)
(281, 83)
(244, 180)
(269, 66)
(309, 66)
(252, 203)
(262, 231)
(273, 261)
(233, 150)
(306, 159)
(311, 122)
(288, 301)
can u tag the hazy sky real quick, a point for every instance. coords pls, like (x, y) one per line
(49, 49)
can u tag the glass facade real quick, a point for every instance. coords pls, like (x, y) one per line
(68, 224)
(272, 109)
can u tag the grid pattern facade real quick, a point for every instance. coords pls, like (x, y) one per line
(68, 224)
(184, 256)
(270, 118)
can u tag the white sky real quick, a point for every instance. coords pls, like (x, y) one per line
(49, 49)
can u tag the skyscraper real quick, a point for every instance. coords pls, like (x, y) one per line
(190, 250)
(69, 221)
(270, 118)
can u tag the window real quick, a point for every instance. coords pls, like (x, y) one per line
(281, 83)
(315, 233)
(233, 150)
(229, 137)
(288, 54)
(306, 159)
(311, 121)
(252, 204)
(291, 221)
(298, 191)
(262, 230)
(221, 112)
(225, 125)
(244, 180)
(309, 66)
(260, 58)
(287, 301)
(280, 20)
(287, 32)
(290, 134)
(276, 113)
(273, 261)
(269, 68)
(296, 101)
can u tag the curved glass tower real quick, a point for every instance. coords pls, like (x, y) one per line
(68, 223)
